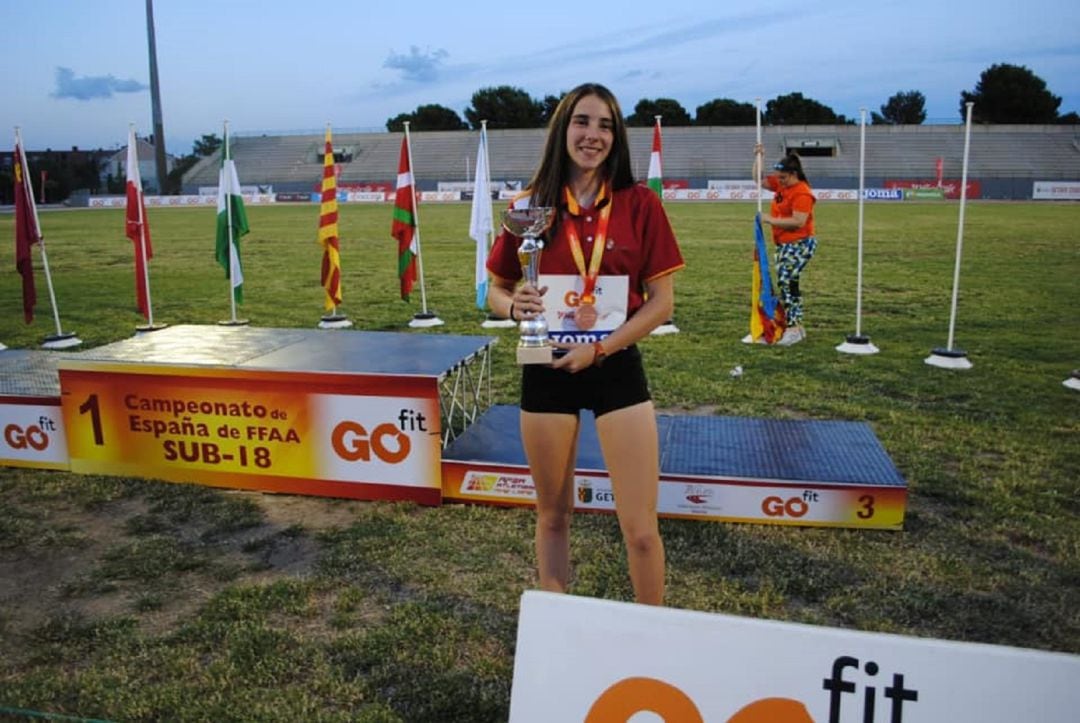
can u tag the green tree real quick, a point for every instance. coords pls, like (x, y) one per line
(505, 107)
(725, 112)
(206, 146)
(645, 112)
(550, 103)
(1010, 94)
(201, 148)
(432, 117)
(794, 109)
(903, 108)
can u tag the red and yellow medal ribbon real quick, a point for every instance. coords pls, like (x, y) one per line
(591, 274)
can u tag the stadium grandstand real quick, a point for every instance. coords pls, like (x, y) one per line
(1005, 159)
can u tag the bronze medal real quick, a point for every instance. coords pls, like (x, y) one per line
(585, 317)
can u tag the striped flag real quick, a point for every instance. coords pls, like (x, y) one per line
(656, 173)
(480, 223)
(328, 230)
(136, 227)
(767, 320)
(27, 230)
(403, 227)
(231, 222)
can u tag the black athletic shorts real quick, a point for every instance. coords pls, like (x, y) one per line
(617, 383)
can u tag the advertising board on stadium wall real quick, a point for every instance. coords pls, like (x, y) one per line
(177, 201)
(594, 660)
(1056, 191)
(950, 186)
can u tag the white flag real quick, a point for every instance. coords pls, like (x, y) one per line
(480, 223)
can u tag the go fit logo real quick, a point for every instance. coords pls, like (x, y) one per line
(387, 441)
(631, 696)
(34, 436)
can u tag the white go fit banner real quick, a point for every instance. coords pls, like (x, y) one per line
(580, 659)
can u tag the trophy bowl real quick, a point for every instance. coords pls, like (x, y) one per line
(528, 223)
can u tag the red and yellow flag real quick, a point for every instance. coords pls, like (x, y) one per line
(27, 231)
(328, 230)
(403, 227)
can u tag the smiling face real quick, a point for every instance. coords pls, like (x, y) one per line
(590, 135)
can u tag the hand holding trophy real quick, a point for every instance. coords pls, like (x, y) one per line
(529, 223)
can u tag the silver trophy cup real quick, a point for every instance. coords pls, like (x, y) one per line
(529, 223)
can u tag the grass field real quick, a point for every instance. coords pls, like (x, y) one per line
(127, 599)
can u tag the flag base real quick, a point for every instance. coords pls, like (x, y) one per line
(497, 322)
(65, 340)
(420, 321)
(1073, 382)
(335, 321)
(857, 344)
(147, 328)
(948, 359)
(233, 322)
(668, 327)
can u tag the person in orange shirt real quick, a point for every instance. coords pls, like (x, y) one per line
(792, 219)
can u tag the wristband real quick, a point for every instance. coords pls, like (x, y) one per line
(598, 354)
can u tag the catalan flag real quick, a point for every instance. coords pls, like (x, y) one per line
(328, 230)
(403, 227)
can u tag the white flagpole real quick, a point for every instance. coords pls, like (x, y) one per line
(424, 318)
(225, 176)
(142, 237)
(859, 344)
(668, 327)
(761, 158)
(59, 340)
(950, 358)
(492, 321)
(416, 217)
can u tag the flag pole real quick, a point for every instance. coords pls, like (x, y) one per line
(949, 357)
(857, 343)
(424, 318)
(758, 161)
(228, 225)
(493, 321)
(331, 320)
(150, 325)
(225, 185)
(761, 160)
(668, 327)
(61, 339)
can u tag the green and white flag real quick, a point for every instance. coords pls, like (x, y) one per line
(656, 174)
(231, 222)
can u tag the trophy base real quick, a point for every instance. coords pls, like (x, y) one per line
(534, 354)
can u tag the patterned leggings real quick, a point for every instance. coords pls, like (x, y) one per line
(791, 259)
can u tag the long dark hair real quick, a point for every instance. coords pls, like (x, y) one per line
(791, 163)
(547, 183)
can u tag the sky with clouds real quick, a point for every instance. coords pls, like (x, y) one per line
(76, 72)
